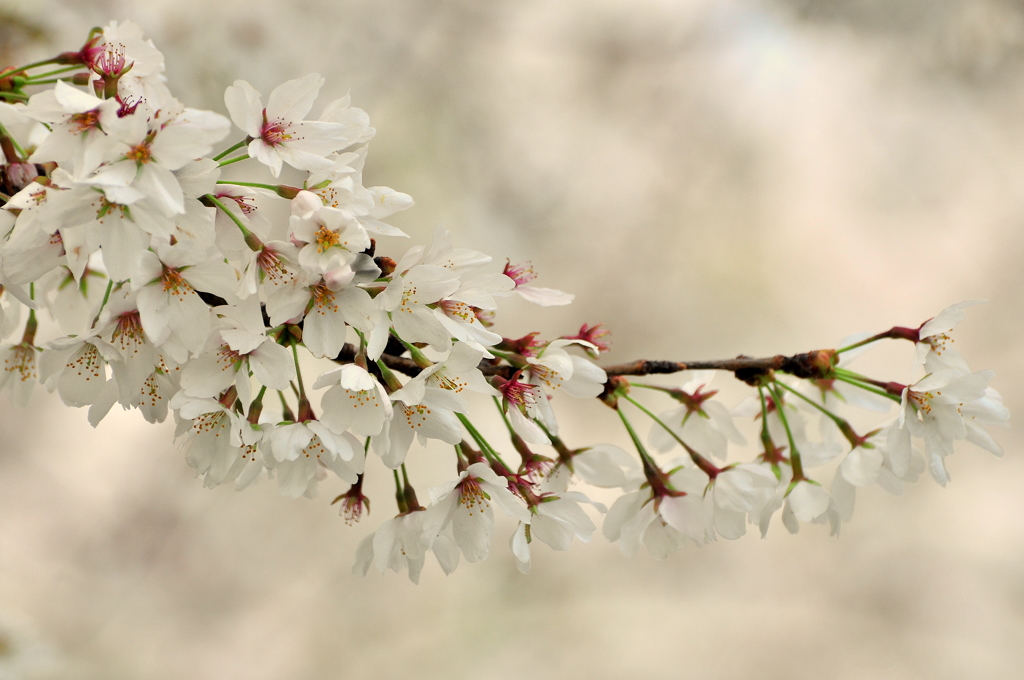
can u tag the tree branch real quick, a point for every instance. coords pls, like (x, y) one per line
(815, 364)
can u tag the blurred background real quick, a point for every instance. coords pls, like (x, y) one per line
(710, 178)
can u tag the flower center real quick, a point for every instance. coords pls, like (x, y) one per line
(84, 122)
(22, 360)
(174, 284)
(471, 495)
(323, 299)
(325, 238)
(128, 331)
(273, 132)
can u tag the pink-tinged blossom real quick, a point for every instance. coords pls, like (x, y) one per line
(700, 421)
(934, 409)
(465, 505)
(280, 133)
(422, 412)
(934, 348)
(355, 401)
(146, 155)
(170, 307)
(300, 450)
(77, 140)
(554, 368)
(522, 275)
(329, 305)
(235, 348)
(406, 301)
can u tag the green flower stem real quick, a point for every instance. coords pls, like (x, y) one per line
(16, 96)
(857, 382)
(766, 437)
(504, 416)
(257, 185)
(390, 379)
(236, 159)
(485, 447)
(256, 407)
(409, 492)
(235, 218)
(419, 357)
(298, 371)
(106, 298)
(14, 143)
(698, 460)
(794, 455)
(33, 80)
(648, 462)
(843, 425)
(832, 416)
(37, 64)
(232, 149)
(658, 388)
(286, 410)
(403, 507)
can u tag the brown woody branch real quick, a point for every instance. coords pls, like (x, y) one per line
(814, 364)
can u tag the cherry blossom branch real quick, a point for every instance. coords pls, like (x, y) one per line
(814, 364)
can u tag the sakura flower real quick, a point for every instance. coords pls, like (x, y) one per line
(299, 449)
(77, 120)
(399, 544)
(557, 519)
(329, 304)
(355, 401)
(280, 135)
(340, 188)
(327, 233)
(406, 300)
(19, 374)
(422, 412)
(700, 421)
(634, 518)
(807, 500)
(147, 154)
(933, 409)
(522, 275)
(234, 349)
(211, 439)
(553, 368)
(77, 368)
(168, 302)
(465, 504)
(933, 348)
(739, 491)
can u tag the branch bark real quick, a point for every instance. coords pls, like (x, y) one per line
(815, 364)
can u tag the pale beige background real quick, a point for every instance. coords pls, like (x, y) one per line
(709, 177)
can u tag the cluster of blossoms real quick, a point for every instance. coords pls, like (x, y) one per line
(174, 291)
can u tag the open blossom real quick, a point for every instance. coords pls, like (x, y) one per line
(176, 290)
(934, 348)
(934, 409)
(556, 520)
(522, 275)
(700, 421)
(465, 504)
(280, 133)
(300, 450)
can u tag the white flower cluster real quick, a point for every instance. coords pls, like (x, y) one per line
(173, 291)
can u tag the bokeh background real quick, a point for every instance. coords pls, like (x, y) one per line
(710, 177)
